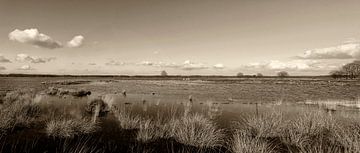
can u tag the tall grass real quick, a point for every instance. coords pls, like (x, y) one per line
(18, 111)
(198, 131)
(70, 127)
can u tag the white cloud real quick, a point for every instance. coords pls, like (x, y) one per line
(77, 41)
(26, 67)
(32, 59)
(219, 66)
(188, 65)
(34, 37)
(3, 59)
(279, 65)
(347, 50)
(115, 63)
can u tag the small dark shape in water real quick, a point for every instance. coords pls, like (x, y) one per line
(225, 103)
(81, 93)
(190, 98)
(143, 101)
(153, 93)
(201, 103)
(124, 93)
(127, 103)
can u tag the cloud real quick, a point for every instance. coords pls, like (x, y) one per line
(289, 65)
(115, 63)
(92, 63)
(3, 59)
(34, 37)
(77, 41)
(2, 68)
(32, 59)
(26, 67)
(188, 65)
(348, 50)
(219, 66)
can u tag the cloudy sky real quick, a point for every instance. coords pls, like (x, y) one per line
(308, 37)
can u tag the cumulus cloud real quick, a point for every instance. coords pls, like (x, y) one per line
(26, 67)
(3, 59)
(279, 65)
(2, 68)
(347, 50)
(219, 66)
(32, 59)
(188, 65)
(77, 41)
(34, 37)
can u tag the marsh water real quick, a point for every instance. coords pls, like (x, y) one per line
(222, 112)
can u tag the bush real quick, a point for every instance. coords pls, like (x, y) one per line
(240, 74)
(283, 74)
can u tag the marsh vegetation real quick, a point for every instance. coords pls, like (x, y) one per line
(36, 121)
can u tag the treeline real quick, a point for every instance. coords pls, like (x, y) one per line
(348, 71)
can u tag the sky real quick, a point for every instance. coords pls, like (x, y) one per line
(182, 37)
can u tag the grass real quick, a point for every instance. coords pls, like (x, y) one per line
(196, 130)
(70, 127)
(18, 111)
(308, 131)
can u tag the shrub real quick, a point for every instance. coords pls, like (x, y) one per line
(259, 75)
(283, 74)
(240, 74)
(164, 73)
(70, 127)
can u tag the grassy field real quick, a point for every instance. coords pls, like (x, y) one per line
(235, 115)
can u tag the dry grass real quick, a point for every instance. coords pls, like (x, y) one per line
(198, 131)
(18, 111)
(70, 127)
(243, 143)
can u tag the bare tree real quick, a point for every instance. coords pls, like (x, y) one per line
(283, 74)
(163, 73)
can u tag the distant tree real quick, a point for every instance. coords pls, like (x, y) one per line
(352, 70)
(336, 74)
(240, 74)
(283, 74)
(163, 73)
(259, 75)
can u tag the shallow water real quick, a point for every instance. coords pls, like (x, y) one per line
(223, 112)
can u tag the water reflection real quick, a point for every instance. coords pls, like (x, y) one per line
(223, 112)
